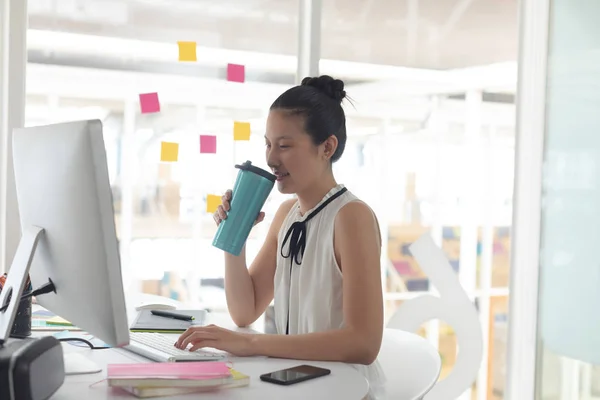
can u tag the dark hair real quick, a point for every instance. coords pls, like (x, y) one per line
(319, 101)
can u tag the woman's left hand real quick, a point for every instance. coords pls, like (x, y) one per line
(236, 343)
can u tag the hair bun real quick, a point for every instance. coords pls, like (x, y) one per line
(333, 88)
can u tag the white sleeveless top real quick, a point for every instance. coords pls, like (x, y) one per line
(315, 292)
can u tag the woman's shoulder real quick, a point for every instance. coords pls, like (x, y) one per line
(282, 213)
(355, 208)
(286, 206)
(355, 214)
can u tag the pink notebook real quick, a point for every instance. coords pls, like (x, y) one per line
(183, 370)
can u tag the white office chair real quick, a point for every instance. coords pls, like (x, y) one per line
(412, 365)
(452, 306)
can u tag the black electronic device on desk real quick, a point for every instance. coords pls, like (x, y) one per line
(290, 376)
(173, 321)
(30, 369)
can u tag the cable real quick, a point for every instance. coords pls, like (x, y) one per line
(90, 344)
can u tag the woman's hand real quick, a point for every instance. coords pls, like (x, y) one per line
(222, 210)
(235, 343)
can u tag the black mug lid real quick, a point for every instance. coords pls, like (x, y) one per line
(247, 166)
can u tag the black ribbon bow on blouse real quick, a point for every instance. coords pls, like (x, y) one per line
(297, 233)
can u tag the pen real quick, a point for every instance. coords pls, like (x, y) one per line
(168, 314)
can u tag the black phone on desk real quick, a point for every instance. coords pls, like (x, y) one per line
(297, 374)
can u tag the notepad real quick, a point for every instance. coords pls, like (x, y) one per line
(40, 317)
(58, 321)
(237, 379)
(188, 374)
(146, 322)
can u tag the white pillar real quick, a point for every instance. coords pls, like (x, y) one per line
(383, 203)
(13, 62)
(195, 271)
(309, 38)
(127, 181)
(487, 252)
(468, 200)
(586, 382)
(470, 187)
(569, 379)
(529, 148)
(438, 128)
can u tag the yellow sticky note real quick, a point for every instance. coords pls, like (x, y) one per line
(58, 321)
(241, 131)
(187, 51)
(169, 152)
(212, 203)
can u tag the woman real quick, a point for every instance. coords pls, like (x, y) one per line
(321, 258)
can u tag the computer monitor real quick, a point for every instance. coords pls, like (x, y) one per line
(62, 183)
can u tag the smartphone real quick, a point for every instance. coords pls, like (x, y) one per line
(293, 375)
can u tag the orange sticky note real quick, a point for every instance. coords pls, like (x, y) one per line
(212, 203)
(169, 152)
(187, 51)
(241, 131)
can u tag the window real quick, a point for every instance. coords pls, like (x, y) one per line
(430, 125)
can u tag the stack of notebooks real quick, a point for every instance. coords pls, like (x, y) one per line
(169, 379)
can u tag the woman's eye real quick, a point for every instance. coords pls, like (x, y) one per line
(283, 147)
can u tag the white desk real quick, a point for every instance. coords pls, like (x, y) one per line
(344, 382)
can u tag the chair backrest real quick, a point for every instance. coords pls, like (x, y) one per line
(452, 306)
(413, 361)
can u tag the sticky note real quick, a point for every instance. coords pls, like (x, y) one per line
(149, 103)
(187, 51)
(236, 73)
(169, 152)
(208, 144)
(58, 321)
(212, 203)
(241, 131)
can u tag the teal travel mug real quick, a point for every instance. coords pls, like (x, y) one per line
(250, 191)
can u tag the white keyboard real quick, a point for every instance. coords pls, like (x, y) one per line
(161, 348)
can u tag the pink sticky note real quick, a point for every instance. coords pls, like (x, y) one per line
(149, 103)
(236, 73)
(208, 144)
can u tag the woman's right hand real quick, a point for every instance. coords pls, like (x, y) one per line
(221, 213)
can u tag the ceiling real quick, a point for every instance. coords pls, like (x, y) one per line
(432, 34)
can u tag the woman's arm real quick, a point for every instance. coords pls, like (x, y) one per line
(357, 244)
(249, 291)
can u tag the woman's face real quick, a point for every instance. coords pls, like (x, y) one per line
(291, 154)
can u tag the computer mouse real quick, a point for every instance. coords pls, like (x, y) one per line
(154, 306)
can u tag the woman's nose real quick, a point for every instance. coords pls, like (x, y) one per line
(272, 160)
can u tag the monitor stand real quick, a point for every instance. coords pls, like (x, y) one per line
(10, 297)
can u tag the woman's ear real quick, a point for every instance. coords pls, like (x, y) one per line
(329, 146)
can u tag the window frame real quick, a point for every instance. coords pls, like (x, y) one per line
(13, 69)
